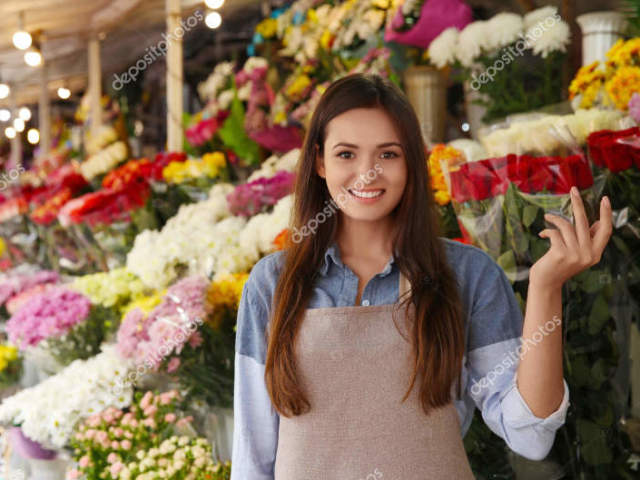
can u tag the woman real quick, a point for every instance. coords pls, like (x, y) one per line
(364, 347)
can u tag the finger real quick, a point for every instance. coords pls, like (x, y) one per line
(594, 228)
(581, 221)
(554, 236)
(603, 233)
(566, 229)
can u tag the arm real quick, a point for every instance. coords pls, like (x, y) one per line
(255, 432)
(495, 349)
(573, 249)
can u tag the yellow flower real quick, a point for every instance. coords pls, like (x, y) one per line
(438, 183)
(3, 247)
(383, 4)
(624, 83)
(146, 303)
(325, 39)
(298, 86)
(587, 82)
(267, 27)
(224, 294)
(8, 353)
(210, 166)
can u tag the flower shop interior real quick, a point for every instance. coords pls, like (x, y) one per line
(148, 156)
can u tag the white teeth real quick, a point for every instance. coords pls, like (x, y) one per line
(362, 194)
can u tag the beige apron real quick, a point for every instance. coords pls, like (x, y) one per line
(355, 368)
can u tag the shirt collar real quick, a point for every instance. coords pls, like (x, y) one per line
(332, 254)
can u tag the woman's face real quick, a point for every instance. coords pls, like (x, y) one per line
(363, 163)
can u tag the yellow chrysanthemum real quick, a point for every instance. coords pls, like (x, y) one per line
(210, 166)
(224, 294)
(146, 303)
(624, 83)
(438, 183)
(589, 77)
(267, 27)
(8, 353)
(298, 86)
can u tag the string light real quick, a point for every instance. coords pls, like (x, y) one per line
(33, 136)
(10, 132)
(213, 20)
(18, 124)
(214, 4)
(64, 93)
(4, 90)
(25, 114)
(33, 57)
(5, 115)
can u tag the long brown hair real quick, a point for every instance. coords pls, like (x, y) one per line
(437, 334)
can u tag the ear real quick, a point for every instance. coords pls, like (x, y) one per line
(319, 161)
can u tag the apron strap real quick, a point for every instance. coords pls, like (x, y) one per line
(404, 285)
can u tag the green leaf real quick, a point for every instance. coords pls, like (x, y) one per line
(594, 443)
(234, 136)
(529, 215)
(599, 315)
(507, 261)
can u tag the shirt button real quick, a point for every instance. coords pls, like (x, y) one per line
(365, 303)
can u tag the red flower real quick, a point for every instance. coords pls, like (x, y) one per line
(607, 151)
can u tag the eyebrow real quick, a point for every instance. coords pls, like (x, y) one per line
(381, 145)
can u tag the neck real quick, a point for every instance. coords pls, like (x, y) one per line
(366, 238)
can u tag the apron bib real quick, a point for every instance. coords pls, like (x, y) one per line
(354, 366)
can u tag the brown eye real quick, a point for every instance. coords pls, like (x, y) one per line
(389, 154)
(343, 153)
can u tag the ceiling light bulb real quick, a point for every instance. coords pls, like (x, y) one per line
(64, 93)
(213, 4)
(25, 114)
(22, 40)
(213, 20)
(33, 58)
(18, 124)
(33, 136)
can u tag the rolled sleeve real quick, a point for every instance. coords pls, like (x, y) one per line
(493, 357)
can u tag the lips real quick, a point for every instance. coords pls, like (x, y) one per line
(367, 193)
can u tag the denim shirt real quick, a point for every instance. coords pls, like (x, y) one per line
(493, 330)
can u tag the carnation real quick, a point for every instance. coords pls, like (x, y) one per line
(471, 41)
(442, 50)
(503, 29)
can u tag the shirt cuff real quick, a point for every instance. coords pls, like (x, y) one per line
(517, 412)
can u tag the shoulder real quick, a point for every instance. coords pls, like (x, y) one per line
(469, 262)
(493, 311)
(255, 306)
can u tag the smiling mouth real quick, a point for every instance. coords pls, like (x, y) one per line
(366, 193)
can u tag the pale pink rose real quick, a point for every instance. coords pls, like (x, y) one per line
(128, 434)
(165, 398)
(133, 423)
(94, 420)
(101, 436)
(126, 444)
(89, 434)
(150, 411)
(173, 365)
(115, 469)
(170, 417)
(84, 461)
(149, 422)
(184, 421)
(73, 474)
(127, 418)
(146, 400)
(115, 445)
(118, 432)
(112, 458)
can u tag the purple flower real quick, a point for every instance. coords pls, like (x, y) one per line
(168, 326)
(14, 283)
(634, 107)
(51, 313)
(251, 198)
